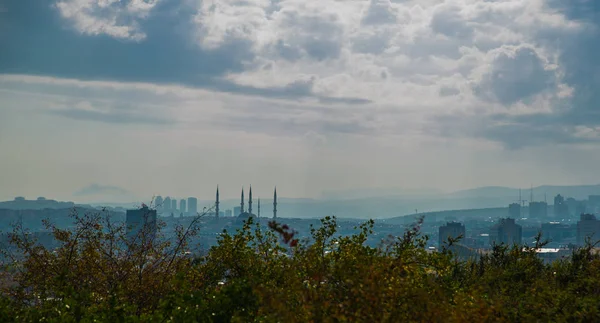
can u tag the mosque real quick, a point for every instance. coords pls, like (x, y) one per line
(245, 214)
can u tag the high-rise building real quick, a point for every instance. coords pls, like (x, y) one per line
(174, 205)
(183, 206)
(593, 202)
(581, 208)
(158, 201)
(237, 211)
(572, 205)
(506, 232)
(588, 227)
(514, 210)
(167, 204)
(538, 210)
(228, 213)
(561, 210)
(555, 232)
(141, 224)
(450, 230)
(192, 205)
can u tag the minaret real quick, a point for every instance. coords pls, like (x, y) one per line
(258, 207)
(217, 204)
(242, 202)
(250, 201)
(275, 203)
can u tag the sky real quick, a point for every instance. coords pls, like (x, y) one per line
(108, 99)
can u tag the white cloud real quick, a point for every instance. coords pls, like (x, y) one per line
(391, 52)
(115, 18)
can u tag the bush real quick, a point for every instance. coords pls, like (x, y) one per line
(268, 275)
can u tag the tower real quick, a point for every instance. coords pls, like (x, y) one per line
(242, 202)
(521, 201)
(217, 204)
(258, 207)
(531, 194)
(275, 203)
(250, 200)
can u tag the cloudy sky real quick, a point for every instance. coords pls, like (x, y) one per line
(172, 97)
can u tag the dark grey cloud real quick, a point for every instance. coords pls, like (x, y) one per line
(516, 76)
(317, 37)
(379, 13)
(449, 91)
(449, 23)
(580, 59)
(299, 89)
(286, 51)
(322, 49)
(37, 41)
(111, 113)
(344, 100)
(372, 43)
(521, 135)
(512, 131)
(304, 88)
(579, 62)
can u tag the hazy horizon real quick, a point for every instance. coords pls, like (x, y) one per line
(497, 196)
(173, 97)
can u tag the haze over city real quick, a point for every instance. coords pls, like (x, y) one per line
(121, 101)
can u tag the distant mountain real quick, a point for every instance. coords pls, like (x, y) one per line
(93, 193)
(362, 193)
(487, 191)
(20, 203)
(443, 215)
(579, 192)
(130, 205)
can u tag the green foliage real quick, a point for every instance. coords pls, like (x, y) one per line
(259, 274)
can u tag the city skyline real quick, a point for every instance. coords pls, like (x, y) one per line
(541, 195)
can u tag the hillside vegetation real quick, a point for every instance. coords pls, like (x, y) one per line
(267, 275)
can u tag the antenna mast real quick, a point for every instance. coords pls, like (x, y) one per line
(531, 194)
